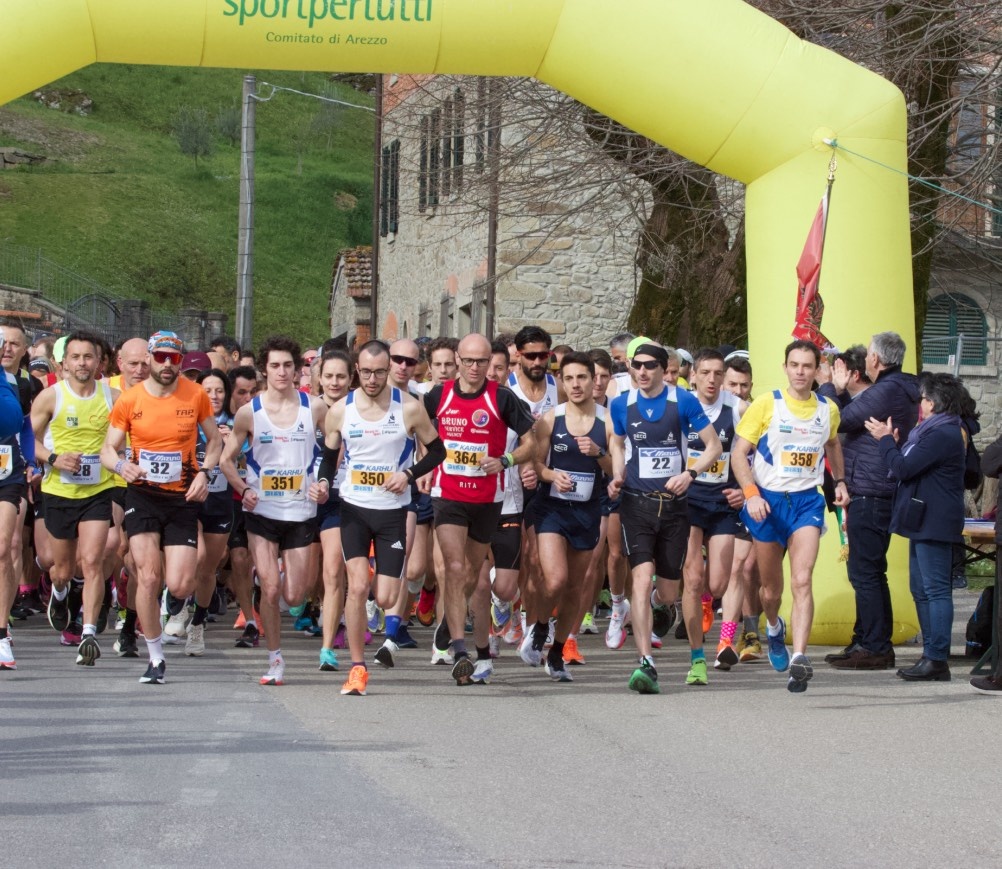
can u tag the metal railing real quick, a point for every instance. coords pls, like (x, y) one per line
(962, 351)
(73, 300)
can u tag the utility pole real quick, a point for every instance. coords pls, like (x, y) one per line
(245, 236)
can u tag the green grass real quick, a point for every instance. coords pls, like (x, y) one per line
(121, 204)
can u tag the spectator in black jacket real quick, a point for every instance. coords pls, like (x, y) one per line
(893, 395)
(929, 510)
(991, 466)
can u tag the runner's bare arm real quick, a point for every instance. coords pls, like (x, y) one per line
(114, 444)
(243, 425)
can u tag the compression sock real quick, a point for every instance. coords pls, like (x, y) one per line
(392, 626)
(200, 614)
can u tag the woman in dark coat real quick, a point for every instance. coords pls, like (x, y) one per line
(929, 510)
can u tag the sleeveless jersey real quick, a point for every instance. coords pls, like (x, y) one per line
(373, 451)
(655, 451)
(564, 455)
(472, 430)
(78, 425)
(707, 490)
(547, 402)
(789, 457)
(12, 463)
(280, 464)
(219, 501)
(514, 494)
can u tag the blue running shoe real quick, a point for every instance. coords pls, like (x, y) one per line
(303, 624)
(328, 660)
(404, 638)
(297, 611)
(779, 657)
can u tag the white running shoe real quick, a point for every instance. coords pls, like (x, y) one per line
(384, 654)
(561, 675)
(177, 626)
(275, 674)
(615, 634)
(494, 644)
(588, 625)
(482, 672)
(532, 657)
(440, 656)
(194, 646)
(7, 655)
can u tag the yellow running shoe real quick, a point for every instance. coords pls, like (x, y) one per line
(750, 648)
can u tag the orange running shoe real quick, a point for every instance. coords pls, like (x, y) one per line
(358, 678)
(572, 655)
(426, 607)
(707, 614)
(727, 657)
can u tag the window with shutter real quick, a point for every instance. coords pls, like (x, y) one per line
(947, 317)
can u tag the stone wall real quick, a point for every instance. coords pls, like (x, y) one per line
(565, 252)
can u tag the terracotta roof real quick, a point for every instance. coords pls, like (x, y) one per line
(355, 267)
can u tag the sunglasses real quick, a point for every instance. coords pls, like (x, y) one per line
(535, 357)
(649, 364)
(404, 360)
(162, 357)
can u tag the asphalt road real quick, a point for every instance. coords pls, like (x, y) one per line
(212, 769)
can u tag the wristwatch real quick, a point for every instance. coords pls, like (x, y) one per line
(691, 473)
(51, 460)
(601, 453)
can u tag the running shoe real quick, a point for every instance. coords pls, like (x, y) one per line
(275, 674)
(664, 618)
(404, 639)
(801, 672)
(88, 651)
(697, 673)
(588, 625)
(572, 654)
(297, 612)
(59, 613)
(513, 636)
(106, 601)
(126, 645)
(708, 615)
(72, 635)
(375, 618)
(483, 672)
(680, 630)
(558, 674)
(426, 607)
(750, 648)
(31, 600)
(328, 660)
(440, 656)
(340, 637)
(154, 674)
(645, 679)
(462, 670)
(177, 626)
(174, 605)
(530, 655)
(384, 654)
(368, 637)
(500, 612)
(494, 644)
(7, 661)
(615, 634)
(249, 638)
(194, 646)
(727, 657)
(656, 641)
(304, 625)
(779, 657)
(358, 679)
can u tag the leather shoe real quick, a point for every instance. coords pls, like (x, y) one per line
(841, 656)
(861, 659)
(926, 670)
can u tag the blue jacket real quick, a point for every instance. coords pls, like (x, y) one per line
(895, 395)
(930, 471)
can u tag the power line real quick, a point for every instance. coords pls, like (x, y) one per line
(275, 88)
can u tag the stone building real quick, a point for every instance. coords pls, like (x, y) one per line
(479, 195)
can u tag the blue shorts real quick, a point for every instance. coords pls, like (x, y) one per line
(421, 504)
(579, 523)
(714, 520)
(329, 514)
(788, 511)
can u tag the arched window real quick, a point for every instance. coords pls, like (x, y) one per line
(948, 316)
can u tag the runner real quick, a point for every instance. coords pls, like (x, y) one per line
(571, 454)
(280, 495)
(71, 421)
(473, 417)
(785, 512)
(161, 417)
(648, 431)
(375, 423)
(714, 501)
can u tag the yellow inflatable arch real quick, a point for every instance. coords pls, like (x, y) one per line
(716, 81)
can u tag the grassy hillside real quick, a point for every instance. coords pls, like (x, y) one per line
(119, 202)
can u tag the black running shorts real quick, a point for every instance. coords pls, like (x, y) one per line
(655, 530)
(385, 531)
